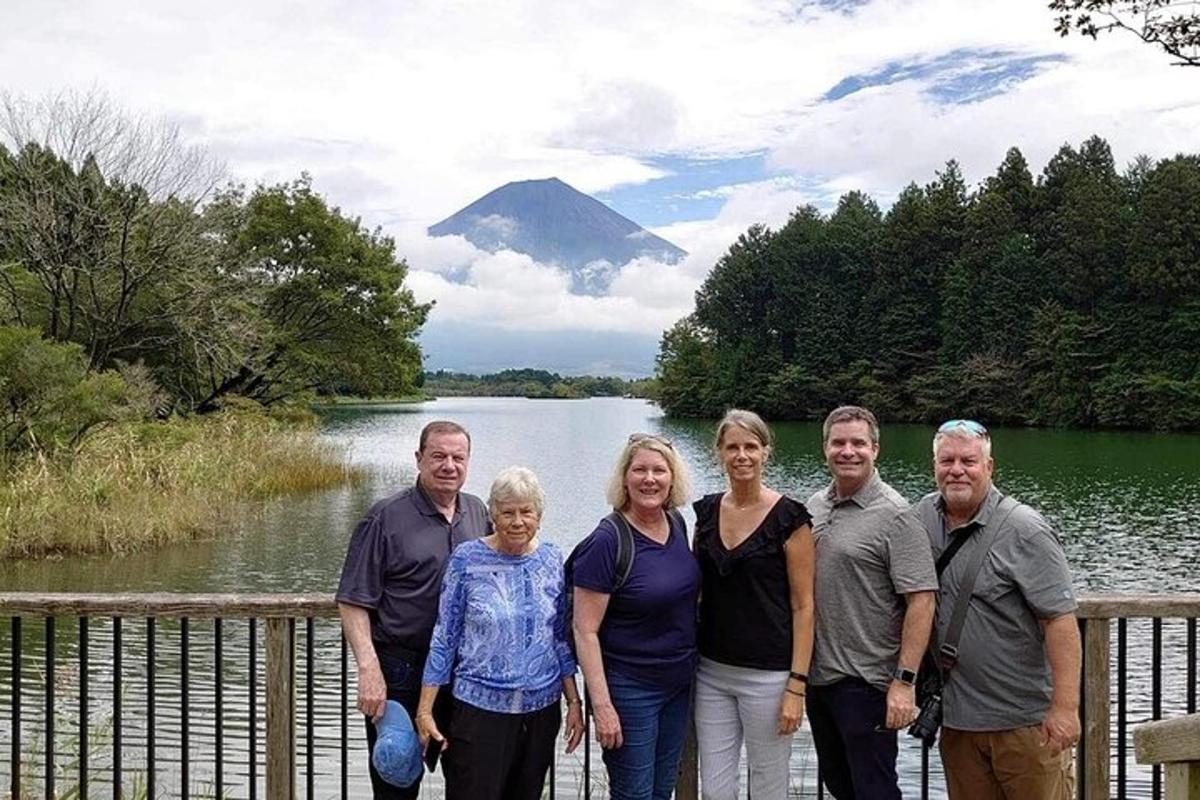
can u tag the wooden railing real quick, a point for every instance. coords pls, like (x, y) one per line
(1095, 757)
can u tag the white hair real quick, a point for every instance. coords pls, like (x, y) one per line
(516, 485)
(963, 433)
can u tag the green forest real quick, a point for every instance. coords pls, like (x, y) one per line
(130, 287)
(1072, 299)
(535, 383)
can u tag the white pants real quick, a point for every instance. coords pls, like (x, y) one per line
(735, 704)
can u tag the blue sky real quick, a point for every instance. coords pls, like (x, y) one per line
(696, 118)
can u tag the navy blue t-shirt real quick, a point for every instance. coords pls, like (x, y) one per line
(649, 627)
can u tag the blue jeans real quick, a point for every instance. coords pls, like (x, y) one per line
(653, 727)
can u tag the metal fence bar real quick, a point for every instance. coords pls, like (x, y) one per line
(49, 656)
(15, 762)
(219, 696)
(83, 708)
(1122, 706)
(184, 727)
(116, 705)
(1191, 666)
(1156, 631)
(345, 714)
(151, 711)
(309, 657)
(252, 696)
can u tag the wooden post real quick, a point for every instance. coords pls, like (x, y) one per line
(1092, 760)
(281, 729)
(688, 785)
(1175, 743)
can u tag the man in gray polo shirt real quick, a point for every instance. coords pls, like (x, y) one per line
(874, 603)
(1011, 699)
(388, 593)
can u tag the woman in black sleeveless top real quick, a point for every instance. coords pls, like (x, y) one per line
(755, 550)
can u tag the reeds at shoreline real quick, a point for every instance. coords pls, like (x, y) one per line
(145, 484)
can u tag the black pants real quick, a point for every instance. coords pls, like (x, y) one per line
(856, 754)
(402, 669)
(495, 756)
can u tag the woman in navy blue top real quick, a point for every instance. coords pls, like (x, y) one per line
(636, 639)
(501, 635)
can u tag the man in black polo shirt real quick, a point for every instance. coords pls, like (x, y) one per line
(388, 593)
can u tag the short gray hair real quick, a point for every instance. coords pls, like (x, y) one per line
(516, 485)
(962, 433)
(748, 421)
(851, 414)
(681, 488)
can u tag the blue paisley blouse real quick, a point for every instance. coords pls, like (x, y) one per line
(501, 629)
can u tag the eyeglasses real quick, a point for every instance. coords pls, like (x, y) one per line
(969, 425)
(634, 438)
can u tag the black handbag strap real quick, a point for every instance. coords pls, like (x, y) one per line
(948, 650)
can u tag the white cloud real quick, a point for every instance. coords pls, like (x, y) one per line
(405, 112)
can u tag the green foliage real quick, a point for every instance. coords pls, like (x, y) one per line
(1168, 24)
(1071, 300)
(535, 383)
(266, 294)
(48, 399)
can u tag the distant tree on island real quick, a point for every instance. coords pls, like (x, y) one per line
(1171, 25)
(535, 383)
(1072, 300)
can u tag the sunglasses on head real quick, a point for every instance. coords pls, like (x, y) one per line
(969, 425)
(634, 438)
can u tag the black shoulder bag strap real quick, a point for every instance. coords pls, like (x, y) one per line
(948, 650)
(626, 547)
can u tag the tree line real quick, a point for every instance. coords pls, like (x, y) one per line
(537, 383)
(130, 285)
(1069, 300)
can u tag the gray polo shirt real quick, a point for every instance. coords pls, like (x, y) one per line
(869, 555)
(394, 565)
(1002, 679)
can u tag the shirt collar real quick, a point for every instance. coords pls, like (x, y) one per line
(865, 495)
(982, 515)
(427, 507)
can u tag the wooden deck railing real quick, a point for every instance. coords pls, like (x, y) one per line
(1095, 757)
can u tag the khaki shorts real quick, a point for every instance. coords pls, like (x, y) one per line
(1005, 765)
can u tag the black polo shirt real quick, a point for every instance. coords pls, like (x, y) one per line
(394, 564)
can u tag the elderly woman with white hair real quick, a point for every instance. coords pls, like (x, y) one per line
(501, 640)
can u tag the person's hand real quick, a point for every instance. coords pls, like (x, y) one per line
(372, 691)
(791, 713)
(608, 726)
(427, 729)
(574, 732)
(1060, 729)
(901, 705)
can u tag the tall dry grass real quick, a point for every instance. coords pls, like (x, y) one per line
(145, 484)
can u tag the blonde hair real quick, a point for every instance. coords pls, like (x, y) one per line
(618, 493)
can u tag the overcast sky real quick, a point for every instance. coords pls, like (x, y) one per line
(695, 119)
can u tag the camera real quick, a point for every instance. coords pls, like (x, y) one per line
(929, 719)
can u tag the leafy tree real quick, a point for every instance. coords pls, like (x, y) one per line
(1168, 24)
(48, 398)
(331, 295)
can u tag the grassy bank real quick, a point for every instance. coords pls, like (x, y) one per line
(145, 484)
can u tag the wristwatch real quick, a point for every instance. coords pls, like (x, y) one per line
(905, 676)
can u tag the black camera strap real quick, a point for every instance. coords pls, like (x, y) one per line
(948, 650)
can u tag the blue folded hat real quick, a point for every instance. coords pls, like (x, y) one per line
(397, 755)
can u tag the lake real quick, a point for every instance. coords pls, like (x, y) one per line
(1127, 506)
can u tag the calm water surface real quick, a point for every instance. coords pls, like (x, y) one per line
(1127, 507)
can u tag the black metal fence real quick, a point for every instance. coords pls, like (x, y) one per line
(174, 695)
